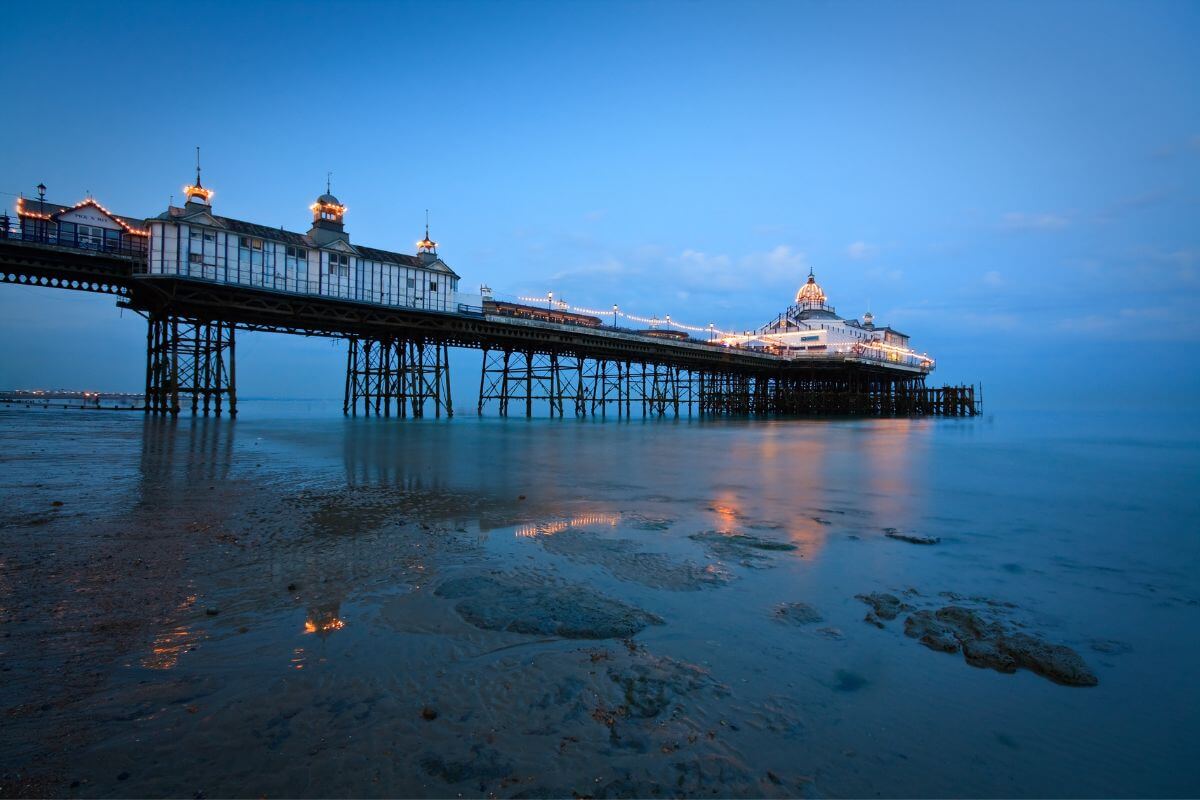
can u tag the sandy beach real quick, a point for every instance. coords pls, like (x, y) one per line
(307, 606)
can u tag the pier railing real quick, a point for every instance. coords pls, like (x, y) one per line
(128, 246)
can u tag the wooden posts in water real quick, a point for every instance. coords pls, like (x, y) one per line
(193, 358)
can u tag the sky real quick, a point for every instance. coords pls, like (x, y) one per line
(1015, 185)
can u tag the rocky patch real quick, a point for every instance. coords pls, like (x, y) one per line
(892, 533)
(531, 605)
(883, 607)
(742, 548)
(797, 614)
(986, 639)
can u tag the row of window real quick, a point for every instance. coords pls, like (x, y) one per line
(202, 250)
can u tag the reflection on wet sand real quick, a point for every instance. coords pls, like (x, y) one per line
(255, 607)
(551, 527)
(896, 453)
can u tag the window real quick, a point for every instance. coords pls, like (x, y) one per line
(339, 264)
(433, 286)
(90, 236)
(810, 338)
(411, 284)
(297, 253)
(251, 243)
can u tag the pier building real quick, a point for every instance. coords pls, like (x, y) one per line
(194, 242)
(811, 326)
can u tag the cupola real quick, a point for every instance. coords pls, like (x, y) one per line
(869, 321)
(328, 216)
(810, 293)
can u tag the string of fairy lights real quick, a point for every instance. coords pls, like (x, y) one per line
(874, 348)
(615, 312)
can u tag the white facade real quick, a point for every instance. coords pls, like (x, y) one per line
(195, 243)
(810, 328)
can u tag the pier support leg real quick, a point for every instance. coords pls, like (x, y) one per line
(193, 359)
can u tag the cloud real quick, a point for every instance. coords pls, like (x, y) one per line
(888, 274)
(1142, 323)
(861, 250)
(993, 279)
(1019, 221)
(595, 216)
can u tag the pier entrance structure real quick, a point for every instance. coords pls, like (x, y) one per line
(198, 278)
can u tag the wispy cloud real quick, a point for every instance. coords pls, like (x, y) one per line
(861, 250)
(993, 279)
(1020, 221)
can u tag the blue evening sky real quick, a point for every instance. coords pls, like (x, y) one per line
(1015, 185)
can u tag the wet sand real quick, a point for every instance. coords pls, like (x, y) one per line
(314, 607)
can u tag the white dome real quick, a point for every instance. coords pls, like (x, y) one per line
(811, 292)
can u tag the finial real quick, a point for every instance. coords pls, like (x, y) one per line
(328, 183)
(427, 223)
(198, 184)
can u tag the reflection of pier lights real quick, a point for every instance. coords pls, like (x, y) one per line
(533, 530)
(324, 619)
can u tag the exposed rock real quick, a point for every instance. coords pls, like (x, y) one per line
(533, 606)
(931, 632)
(986, 643)
(744, 548)
(798, 614)
(883, 605)
(892, 533)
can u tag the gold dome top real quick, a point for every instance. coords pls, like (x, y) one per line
(811, 292)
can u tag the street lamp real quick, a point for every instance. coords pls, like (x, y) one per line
(41, 226)
(710, 331)
(549, 299)
(614, 315)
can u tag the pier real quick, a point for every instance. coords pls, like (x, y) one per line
(199, 279)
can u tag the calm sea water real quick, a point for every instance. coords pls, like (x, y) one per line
(253, 608)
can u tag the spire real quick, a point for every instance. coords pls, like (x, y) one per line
(328, 183)
(196, 193)
(427, 248)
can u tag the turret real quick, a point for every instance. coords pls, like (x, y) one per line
(427, 248)
(198, 198)
(328, 216)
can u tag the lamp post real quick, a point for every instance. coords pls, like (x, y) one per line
(710, 331)
(614, 315)
(42, 227)
(550, 300)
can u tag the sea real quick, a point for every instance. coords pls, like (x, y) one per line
(298, 604)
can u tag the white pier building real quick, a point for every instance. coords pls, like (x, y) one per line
(194, 242)
(811, 328)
